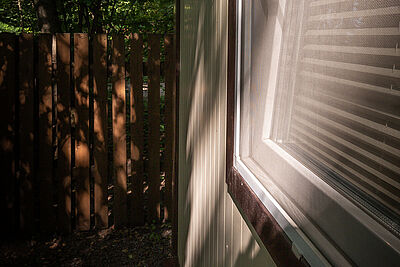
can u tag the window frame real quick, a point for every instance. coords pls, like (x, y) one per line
(250, 186)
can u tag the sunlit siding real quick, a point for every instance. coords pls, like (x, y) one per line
(211, 229)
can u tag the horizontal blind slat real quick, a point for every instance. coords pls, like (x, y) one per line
(350, 143)
(322, 144)
(381, 99)
(365, 126)
(336, 6)
(384, 41)
(342, 111)
(308, 147)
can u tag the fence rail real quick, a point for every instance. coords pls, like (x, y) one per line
(81, 146)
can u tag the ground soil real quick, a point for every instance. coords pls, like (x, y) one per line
(140, 246)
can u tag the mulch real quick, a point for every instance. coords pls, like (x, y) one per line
(149, 245)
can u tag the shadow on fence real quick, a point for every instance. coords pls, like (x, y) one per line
(81, 146)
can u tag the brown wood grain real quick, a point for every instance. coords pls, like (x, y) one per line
(26, 131)
(100, 129)
(154, 127)
(7, 132)
(119, 130)
(169, 114)
(81, 173)
(136, 212)
(64, 131)
(45, 164)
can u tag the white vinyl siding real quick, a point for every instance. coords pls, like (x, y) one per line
(212, 231)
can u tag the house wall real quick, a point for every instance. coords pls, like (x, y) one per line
(212, 231)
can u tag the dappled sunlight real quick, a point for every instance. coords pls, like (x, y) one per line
(81, 120)
(205, 224)
(100, 130)
(119, 131)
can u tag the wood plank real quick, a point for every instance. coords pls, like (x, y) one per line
(45, 163)
(81, 78)
(7, 132)
(91, 137)
(119, 130)
(100, 129)
(136, 212)
(64, 131)
(154, 127)
(170, 98)
(26, 131)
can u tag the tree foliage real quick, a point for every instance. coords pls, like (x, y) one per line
(92, 16)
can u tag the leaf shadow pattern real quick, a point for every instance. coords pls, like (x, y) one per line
(211, 229)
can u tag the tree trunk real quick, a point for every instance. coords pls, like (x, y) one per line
(46, 11)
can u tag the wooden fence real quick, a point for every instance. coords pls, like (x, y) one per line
(79, 147)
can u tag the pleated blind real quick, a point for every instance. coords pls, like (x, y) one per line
(340, 113)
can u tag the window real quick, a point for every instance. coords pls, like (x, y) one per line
(317, 130)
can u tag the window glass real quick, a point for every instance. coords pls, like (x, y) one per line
(337, 98)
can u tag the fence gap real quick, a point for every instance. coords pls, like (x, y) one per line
(26, 132)
(162, 128)
(119, 130)
(154, 127)
(45, 168)
(100, 139)
(64, 160)
(136, 127)
(81, 77)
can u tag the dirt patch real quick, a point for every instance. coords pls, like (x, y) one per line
(140, 246)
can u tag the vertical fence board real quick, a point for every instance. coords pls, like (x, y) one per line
(45, 167)
(7, 132)
(154, 126)
(119, 130)
(91, 136)
(72, 131)
(26, 131)
(64, 131)
(169, 122)
(81, 173)
(137, 143)
(100, 128)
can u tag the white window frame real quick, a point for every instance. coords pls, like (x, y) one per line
(325, 227)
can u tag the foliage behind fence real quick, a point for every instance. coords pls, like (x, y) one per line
(74, 152)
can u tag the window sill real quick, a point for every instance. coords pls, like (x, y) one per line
(275, 223)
